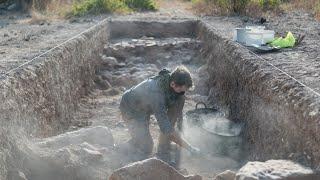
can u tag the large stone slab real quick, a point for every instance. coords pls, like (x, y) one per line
(226, 175)
(83, 154)
(153, 168)
(275, 170)
(98, 135)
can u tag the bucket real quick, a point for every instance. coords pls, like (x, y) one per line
(213, 121)
(220, 135)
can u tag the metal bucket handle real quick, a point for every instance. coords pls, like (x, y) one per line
(204, 104)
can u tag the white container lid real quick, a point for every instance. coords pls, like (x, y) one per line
(255, 27)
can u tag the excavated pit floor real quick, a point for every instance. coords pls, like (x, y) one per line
(126, 62)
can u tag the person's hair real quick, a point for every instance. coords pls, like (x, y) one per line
(181, 76)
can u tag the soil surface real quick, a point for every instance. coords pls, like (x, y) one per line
(301, 62)
(23, 38)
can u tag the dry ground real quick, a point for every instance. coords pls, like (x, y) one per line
(21, 40)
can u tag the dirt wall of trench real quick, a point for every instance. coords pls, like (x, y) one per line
(137, 28)
(38, 98)
(41, 95)
(282, 117)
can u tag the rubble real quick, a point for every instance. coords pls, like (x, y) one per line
(108, 62)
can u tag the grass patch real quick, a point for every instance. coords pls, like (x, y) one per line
(317, 11)
(312, 6)
(258, 8)
(269, 4)
(69, 8)
(141, 5)
(84, 7)
(254, 8)
(221, 7)
(98, 6)
(41, 5)
(201, 7)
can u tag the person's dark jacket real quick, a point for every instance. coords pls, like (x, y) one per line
(152, 96)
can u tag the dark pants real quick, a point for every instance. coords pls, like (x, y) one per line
(141, 143)
(141, 138)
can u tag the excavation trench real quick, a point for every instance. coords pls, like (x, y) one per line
(77, 86)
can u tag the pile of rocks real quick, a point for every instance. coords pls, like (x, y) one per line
(126, 62)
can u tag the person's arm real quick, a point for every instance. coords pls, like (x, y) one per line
(180, 105)
(167, 129)
(175, 137)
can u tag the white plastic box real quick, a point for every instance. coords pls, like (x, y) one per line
(250, 35)
(254, 38)
(268, 36)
